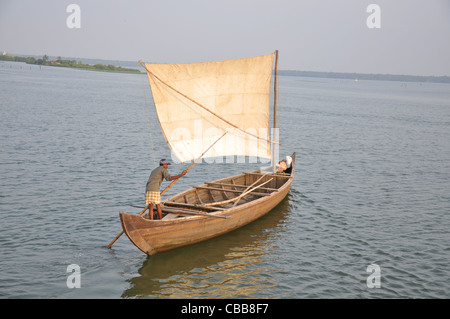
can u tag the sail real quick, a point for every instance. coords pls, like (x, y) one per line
(197, 102)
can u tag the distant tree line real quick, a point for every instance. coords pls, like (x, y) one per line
(59, 62)
(332, 75)
(378, 77)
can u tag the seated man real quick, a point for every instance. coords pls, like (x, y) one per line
(285, 166)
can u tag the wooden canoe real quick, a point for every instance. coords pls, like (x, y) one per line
(208, 210)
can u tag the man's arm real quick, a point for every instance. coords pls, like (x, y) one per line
(177, 176)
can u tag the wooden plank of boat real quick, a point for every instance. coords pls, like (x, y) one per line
(169, 203)
(240, 186)
(229, 190)
(170, 216)
(182, 211)
(268, 174)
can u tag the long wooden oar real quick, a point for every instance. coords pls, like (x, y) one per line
(170, 185)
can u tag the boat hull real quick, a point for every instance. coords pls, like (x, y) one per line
(153, 236)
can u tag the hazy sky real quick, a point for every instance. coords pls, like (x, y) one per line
(311, 35)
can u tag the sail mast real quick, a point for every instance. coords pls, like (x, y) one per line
(275, 112)
(275, 92)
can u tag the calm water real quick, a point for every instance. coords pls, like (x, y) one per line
(372, 187)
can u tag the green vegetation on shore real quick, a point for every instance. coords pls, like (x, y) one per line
(68, 64)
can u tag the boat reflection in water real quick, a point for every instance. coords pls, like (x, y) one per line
(235, 265)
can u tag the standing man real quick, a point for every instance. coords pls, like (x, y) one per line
(152, 189)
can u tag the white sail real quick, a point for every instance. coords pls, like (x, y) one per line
(197, 102)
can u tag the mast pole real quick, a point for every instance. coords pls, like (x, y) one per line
(275, 137)
(275, 91)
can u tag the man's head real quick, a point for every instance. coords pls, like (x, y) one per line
(164, 163)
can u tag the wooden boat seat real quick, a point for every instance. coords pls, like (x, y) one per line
(174, 212)
(240, 186)
(230, 190)
(282, 175)
(193, 206)
(170, 216)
